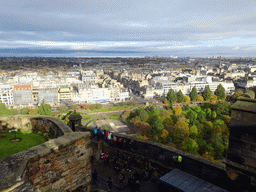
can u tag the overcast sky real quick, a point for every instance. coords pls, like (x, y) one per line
(198, 27)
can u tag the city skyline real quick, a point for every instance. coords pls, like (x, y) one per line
(128, 28)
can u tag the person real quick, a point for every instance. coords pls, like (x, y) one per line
(109, 183)
(95, 131)
(109, 137)
(103, 134)
(117, 169)
(94, 177)
(146, 175)
(121, 178)
(114, 161)
(119, 143)
(99, 133)
(180, 160)
(130, 144)
(106, 135)
(129, 162)
(107, 160)
(137, 186)
(114, 139)
(124, 144)
(129, 185)
(104, 158)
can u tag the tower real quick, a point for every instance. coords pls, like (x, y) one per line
(220, 65)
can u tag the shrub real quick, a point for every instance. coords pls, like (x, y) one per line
(39, 133)
(105, 128)
(25, 111)
(46, 134)
(200, 98)
(62, 109)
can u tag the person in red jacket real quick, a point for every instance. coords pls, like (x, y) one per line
(106, 135)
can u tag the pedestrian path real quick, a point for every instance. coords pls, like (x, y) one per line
(105, 171)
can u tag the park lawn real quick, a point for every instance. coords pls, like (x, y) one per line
(29, 139)
(113, 108)
(87, 118)
(114, 114)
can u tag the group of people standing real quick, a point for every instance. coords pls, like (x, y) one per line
(112, 139)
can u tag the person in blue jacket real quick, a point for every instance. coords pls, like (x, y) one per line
(95, 131)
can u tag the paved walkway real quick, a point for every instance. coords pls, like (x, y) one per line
(105, 171)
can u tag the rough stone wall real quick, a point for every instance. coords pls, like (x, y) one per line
(61, 164)
(23, 122)
(63, 169)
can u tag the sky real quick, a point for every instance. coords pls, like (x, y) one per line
(128, 28)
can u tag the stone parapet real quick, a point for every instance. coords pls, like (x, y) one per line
(56, 165)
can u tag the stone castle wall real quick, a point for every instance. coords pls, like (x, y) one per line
(61, 164)
(23, 123)
(63, 169)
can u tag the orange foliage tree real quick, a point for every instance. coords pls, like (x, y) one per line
(178, 110)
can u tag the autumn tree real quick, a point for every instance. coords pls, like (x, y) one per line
(166, 101)
(171, 96)
(200, 98)
(193, 94)
(193, 132)
(220, 92)
(214, 97)
(187, 99)
(207, 93)
(180, 97)
(181, 131)
(178, 110)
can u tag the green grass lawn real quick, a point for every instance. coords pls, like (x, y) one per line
(114, 114)
(87, 118)
(29, 140)
(114, 108)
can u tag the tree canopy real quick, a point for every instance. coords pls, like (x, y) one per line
(45, 109)
(193, 94)
(171, 96)
(220, 92)
(207, 93)
(180, 97)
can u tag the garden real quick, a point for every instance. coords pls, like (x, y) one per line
(202, 130)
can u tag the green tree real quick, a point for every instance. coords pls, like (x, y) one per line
(222, 107)
(190, 145)
(180, 97)
(192, 117)
(193, 94)
(201, 117)
(171, 96)
(220, 92)
(25, 111)
(236, 95)
(193, 132)
(202, 146)
(142, 115)
(214, 115)
(208, 112)
(62, 109)
(45, 109)
(156, 123)
(207, 93)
